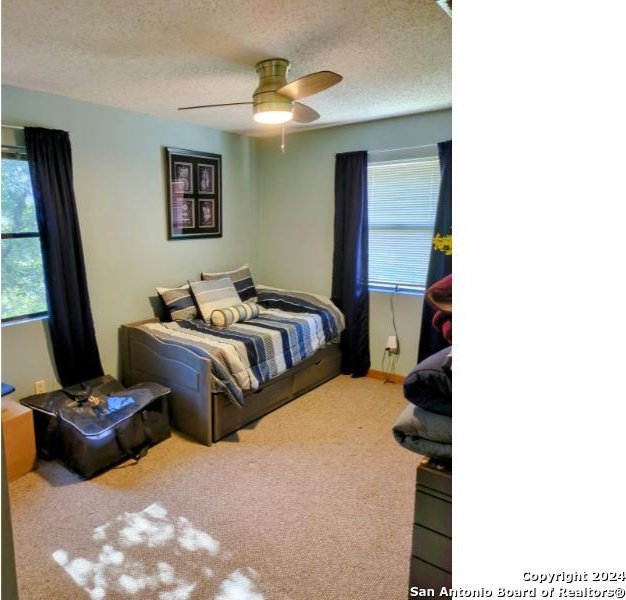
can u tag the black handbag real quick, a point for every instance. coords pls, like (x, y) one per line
(98, 423)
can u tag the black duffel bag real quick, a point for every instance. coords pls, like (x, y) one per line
(98, 423)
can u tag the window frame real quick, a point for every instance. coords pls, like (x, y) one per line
(19, 153)
(428, 152)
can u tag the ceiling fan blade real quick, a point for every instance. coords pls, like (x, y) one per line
(310, 84)
(213, 105)
(303, 113)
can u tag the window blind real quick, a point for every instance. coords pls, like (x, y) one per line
(402, 202)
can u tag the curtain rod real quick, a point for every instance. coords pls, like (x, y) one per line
(407, 148)
(12, 126)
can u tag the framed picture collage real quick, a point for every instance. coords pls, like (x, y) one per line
(194, 181)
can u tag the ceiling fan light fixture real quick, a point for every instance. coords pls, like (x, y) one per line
(274, 101)
(273, 117)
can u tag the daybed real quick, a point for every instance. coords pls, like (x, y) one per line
(200, 405)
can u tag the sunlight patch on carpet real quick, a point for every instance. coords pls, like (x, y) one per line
(238, 587)
(136, 554)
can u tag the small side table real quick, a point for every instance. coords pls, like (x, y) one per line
(18, 432)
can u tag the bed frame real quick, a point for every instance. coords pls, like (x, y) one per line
(200, 411)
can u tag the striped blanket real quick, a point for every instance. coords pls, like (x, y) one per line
(290, 327)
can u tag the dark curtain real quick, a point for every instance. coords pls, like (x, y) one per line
(69, 314)
(440, 263)
(350, 269)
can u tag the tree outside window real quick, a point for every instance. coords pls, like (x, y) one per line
(23, 286)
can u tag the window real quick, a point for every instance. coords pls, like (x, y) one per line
(402, 204)
(23, 287)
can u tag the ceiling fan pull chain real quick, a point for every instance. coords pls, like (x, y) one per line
(282, 140)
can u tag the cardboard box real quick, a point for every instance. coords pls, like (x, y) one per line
(18, 432)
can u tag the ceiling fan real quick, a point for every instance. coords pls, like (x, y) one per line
(274, 100)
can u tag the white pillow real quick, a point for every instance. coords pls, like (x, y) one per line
(212, 295)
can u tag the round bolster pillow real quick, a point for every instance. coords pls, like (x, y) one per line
(223, 317)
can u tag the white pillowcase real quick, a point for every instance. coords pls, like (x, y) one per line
(212, 295)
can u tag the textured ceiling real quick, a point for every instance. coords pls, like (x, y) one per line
(152, 56)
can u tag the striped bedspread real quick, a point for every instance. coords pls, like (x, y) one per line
(290, 327)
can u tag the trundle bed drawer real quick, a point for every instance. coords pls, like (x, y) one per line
(322, 366)
(325, 366)
(228, 418)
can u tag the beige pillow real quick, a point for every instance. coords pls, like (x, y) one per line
(211, 295)
(223, 317)
(178, 302)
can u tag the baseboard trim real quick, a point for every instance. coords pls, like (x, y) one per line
(384, 376)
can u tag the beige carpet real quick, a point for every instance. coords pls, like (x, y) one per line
(314, 501)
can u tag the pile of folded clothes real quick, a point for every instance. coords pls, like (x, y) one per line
(425, 425)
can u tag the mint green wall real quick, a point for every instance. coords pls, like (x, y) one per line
(296, 194)
(278, 216)
(120, 195)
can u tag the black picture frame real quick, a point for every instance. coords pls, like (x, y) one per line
(194, 194)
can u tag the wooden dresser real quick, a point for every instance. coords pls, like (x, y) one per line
(431, 556)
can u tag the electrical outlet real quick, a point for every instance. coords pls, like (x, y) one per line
(40, 386)
(392, 345)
